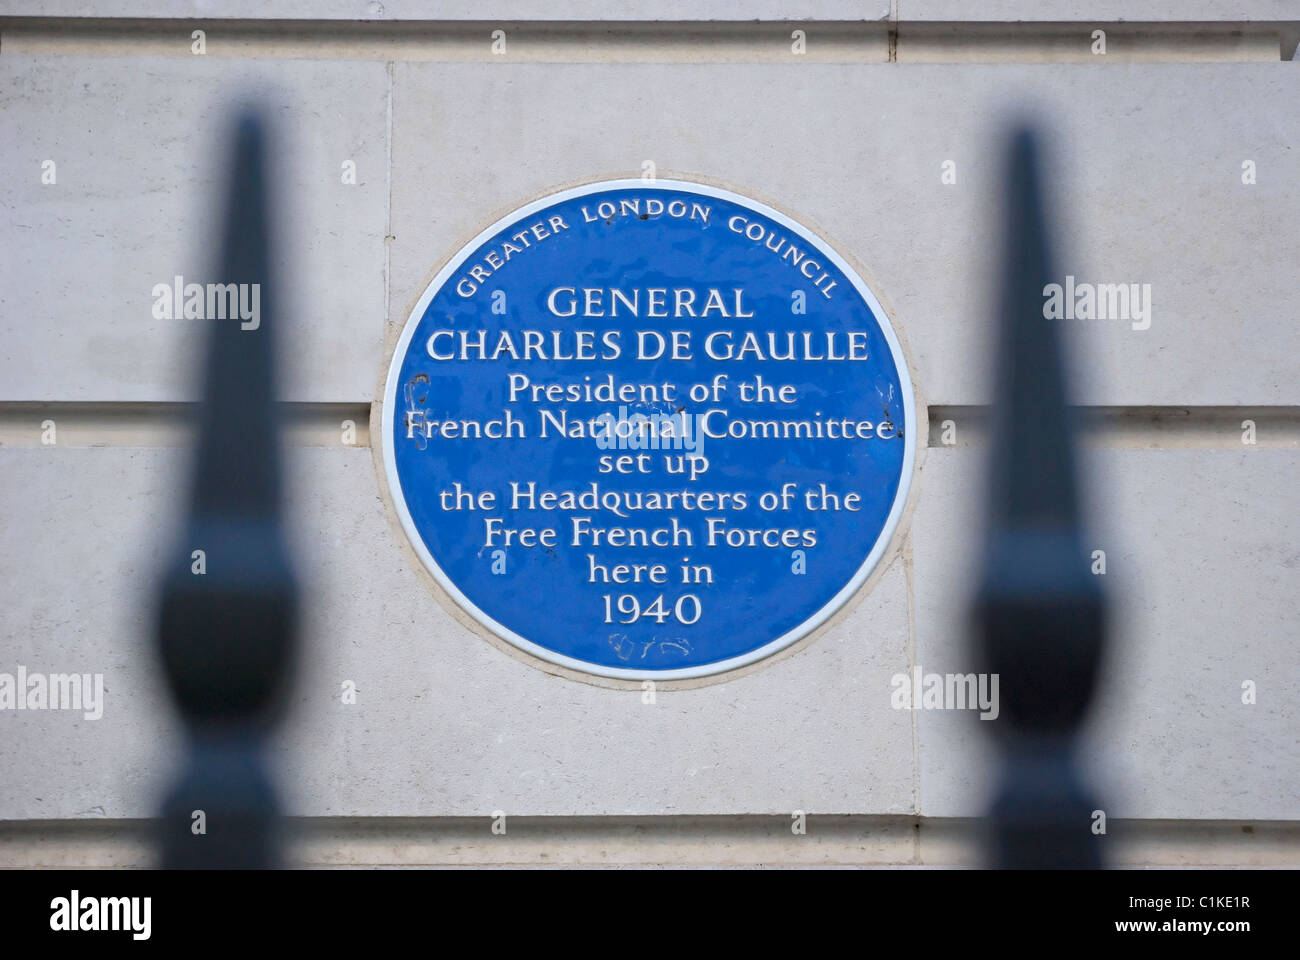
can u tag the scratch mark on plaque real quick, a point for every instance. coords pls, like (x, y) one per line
(680, 644)
(413, 402)
(625, 648)
(618, 642)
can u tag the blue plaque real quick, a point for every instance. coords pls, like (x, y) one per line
(649, 429)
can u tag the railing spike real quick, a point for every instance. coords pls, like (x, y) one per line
(1039, 611)
(228, 613)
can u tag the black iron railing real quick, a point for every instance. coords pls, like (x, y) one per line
(228, 615)
(227, 622)
(1038, 614)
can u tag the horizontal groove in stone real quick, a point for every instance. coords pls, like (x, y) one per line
(323, 425)
(675, 41)
(454, 41)
(722, 840)
(165, 424)
(1142, 427)
(1074, 42)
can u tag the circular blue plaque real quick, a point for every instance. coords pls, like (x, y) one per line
(649, 429)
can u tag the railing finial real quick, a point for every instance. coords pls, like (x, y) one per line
(227, 623)
(1039, 611)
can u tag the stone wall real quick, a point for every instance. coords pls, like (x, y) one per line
(1147, 148)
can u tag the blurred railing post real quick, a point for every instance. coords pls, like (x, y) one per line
(228, 612)
(1039, 611)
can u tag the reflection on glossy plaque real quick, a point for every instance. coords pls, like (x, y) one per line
(648, 429)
